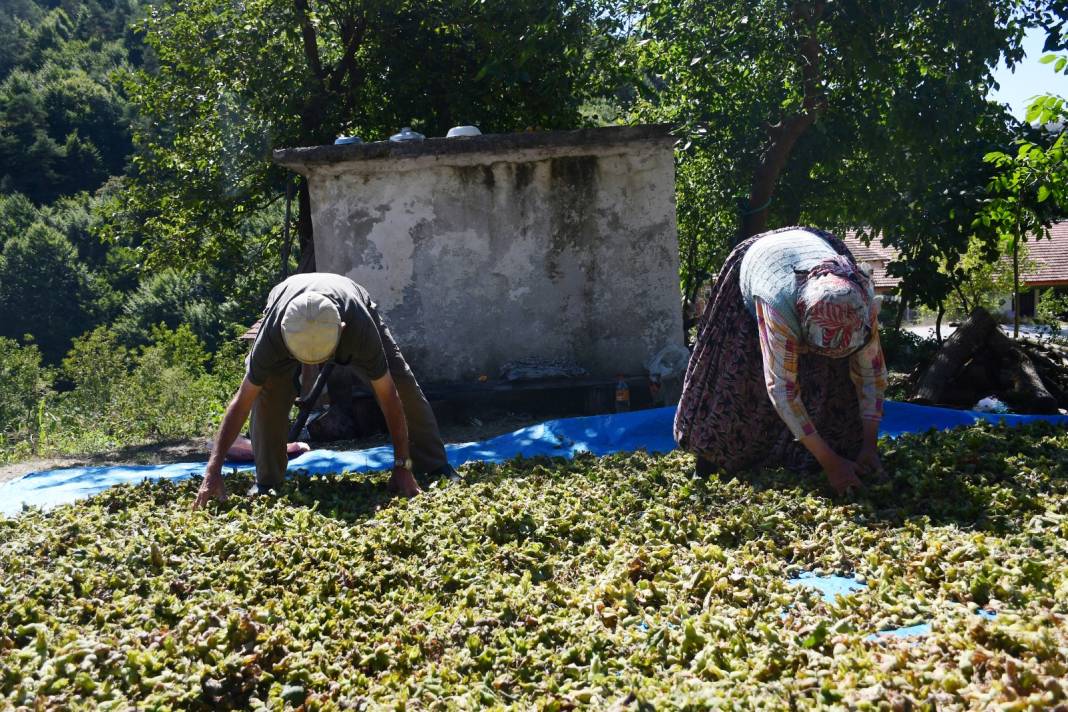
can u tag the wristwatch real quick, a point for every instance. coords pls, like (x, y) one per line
(404, 464)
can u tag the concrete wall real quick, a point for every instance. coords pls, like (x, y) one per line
(484, 250)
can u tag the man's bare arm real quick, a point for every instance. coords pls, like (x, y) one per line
(393, 410)
(232, 422)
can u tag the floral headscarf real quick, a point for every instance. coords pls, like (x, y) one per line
(834, 306)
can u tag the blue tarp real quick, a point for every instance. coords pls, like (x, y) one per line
(831, 587)
(601, 435)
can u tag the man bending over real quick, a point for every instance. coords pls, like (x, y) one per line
(313, 318)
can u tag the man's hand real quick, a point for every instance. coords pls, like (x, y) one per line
(211, 488)
(402, 481)
(842, 474)
(233, 419)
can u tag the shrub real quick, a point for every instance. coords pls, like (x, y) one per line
(161, 391)
(23, 383)
(904, 350)
(169, 394)
(1052, 308)
(96, 365)
(45, 290)
(169, 297)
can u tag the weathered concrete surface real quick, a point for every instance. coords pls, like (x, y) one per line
(483, 250)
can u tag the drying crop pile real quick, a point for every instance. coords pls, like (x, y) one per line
(617, 582)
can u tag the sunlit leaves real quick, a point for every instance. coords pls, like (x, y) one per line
(551, 584)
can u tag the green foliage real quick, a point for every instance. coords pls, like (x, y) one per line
(904, 350)
(97, 365)
(704, 225)
(228, 366)
(1029, 188)
(64, 124)
(1052, 309)
(64, 129)
(982, 277)
(173, 298)
(45, 290)
(23, 383)
(597, 583)
(110, 396)
(231, 81)
(901, 117)
(160, 391)
(169, 394)
(17, 214)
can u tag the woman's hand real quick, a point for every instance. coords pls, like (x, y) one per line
(842, 474)
(868, 463)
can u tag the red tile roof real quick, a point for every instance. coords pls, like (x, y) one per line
(877, 256)
(253, 330)
(1050, 258)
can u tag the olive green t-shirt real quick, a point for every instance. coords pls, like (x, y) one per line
(360, 345)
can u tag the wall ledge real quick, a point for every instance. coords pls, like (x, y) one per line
(591, 140)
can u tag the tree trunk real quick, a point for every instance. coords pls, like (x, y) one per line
(964, 305)
(690, 289)
(286, 242)
(1022, 386)
(902, 307)
(785, 134)
(304, 229)
(1016, 271)
(958, 348)
(1016, 286)
(938, 322)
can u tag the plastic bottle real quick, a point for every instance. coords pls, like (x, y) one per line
(622, 395)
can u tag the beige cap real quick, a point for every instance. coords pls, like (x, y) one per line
(311, 327)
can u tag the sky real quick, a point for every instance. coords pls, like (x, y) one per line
(1029, 79)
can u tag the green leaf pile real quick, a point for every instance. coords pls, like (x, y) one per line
(619, 582)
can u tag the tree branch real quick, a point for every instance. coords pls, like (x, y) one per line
(785, 134)
(311, 42)
(352, 38)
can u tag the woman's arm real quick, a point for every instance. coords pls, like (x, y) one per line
(867, 369)
(779, 350)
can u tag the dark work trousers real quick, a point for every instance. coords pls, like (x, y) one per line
(270, 418)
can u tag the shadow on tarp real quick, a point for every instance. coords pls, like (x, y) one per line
(649, 430)
(831, 587)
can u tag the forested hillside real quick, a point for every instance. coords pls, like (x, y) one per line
(64, 131)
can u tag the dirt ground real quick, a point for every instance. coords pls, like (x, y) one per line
(197, 450)
(147, 454)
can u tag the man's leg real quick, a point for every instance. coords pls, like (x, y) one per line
(428, 451)
(427, 448)
(269, 427)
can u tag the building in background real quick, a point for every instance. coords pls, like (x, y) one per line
(555, 247)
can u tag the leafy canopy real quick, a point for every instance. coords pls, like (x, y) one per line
(233, 80)
(884, 105)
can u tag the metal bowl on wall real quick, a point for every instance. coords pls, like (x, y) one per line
(406, 134)
(458, 131)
